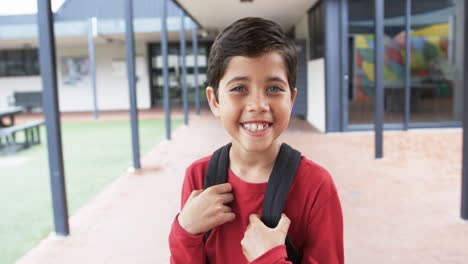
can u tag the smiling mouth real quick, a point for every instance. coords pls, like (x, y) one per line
(256, 127)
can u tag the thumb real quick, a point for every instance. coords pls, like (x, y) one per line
(254, 217)
(283, 224)
(194, 194)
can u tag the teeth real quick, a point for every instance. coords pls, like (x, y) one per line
(255, 127)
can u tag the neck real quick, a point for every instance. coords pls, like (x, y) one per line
(253, 166)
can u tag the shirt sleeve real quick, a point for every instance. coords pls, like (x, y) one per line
(326, 234)
(186, 248)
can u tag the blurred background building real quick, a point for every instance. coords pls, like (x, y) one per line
(335, 43)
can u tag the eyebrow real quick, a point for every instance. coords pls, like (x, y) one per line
(245, 78)
(276, 79)
(238, 78)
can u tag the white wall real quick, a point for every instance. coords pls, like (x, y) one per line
(316, 93)
(315, 80)
(112, 84)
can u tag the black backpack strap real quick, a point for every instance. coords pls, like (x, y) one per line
(276, 193)
(280, 181)
(217, 171)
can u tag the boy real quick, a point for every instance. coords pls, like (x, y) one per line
(251, 77)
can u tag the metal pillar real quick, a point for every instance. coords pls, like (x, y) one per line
(379, 85)
(130, 51)
(195, 66)
(166, 95)
(92, 33)
(344, 53)
(464, 192)
(52, 117)
(333, 62)
(184, 66)
(407, 64)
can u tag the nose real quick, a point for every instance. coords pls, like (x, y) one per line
(258, 102)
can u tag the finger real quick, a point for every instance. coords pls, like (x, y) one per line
(226, 217)
(226, 209)
(283, 224)
(227, 198)
(220, 188)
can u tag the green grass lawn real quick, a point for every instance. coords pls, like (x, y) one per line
(95, 153)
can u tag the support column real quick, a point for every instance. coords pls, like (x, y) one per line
(333, 106)
(52, 116)
(379, 78)
(166, 95)
(184, 66)
(459, 50)
(407, 119)
(464, 192)
(92, 33)
(130, 51)
(195, 66)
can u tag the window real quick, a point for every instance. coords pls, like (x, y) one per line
(75, 71)
(24, 62)
(316, 31)
(175, 72)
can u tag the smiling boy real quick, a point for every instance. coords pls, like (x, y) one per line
(251, 77)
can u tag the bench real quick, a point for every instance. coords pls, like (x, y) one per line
(11, 145)
(28, 99)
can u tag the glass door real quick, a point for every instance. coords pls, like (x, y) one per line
(432, 64)
(433, 79)
(361, 86)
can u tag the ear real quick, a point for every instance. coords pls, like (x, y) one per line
(293, 96)
(214, 105)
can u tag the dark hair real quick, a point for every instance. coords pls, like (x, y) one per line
(251, 37)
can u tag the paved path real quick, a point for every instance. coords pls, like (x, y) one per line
(400, 209)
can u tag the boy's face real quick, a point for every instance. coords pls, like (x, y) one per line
(254, 100)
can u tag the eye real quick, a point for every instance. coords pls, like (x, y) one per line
(274, 89)
(238, 89)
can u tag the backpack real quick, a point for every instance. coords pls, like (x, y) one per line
(280, 180)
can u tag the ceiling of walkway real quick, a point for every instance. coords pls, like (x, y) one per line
(216, 14)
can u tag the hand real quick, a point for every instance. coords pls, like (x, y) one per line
(258, 238)
(206, 209)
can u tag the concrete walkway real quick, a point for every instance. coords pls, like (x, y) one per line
(400, 209)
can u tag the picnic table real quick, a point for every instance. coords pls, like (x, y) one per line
(9, 143)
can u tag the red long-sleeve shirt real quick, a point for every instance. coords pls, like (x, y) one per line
(312, 205)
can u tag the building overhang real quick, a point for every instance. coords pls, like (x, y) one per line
(215, 15)
(73, 33)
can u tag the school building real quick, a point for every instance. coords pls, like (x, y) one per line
(335, 45)
(103, 21)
